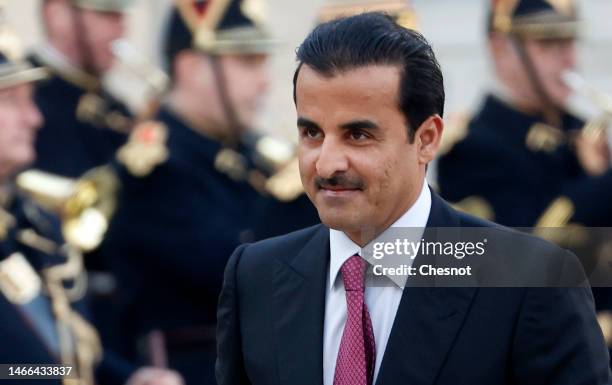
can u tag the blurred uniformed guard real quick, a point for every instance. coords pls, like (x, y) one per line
(42, 282)
(520, 160)
(84, 125)
(39, 325)
(523, 160)
(28, 331)
(192, 180)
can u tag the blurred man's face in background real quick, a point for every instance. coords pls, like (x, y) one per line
(19, 121)
(69, 28)
(247, 81)
(103, 28)
(550, 58)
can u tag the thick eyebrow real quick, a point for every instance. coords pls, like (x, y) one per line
(354, 125)
(360, 125)
(307, 123)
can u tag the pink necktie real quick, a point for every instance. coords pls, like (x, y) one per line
(357, 353)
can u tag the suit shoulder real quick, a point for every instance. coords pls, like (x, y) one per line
(467, 220)
(290, 241)
(263, 252)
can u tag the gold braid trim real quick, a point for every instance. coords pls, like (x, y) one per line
(80, 344)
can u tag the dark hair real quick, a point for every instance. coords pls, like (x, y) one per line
(374, 38)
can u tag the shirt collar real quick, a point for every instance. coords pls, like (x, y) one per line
(341, 247)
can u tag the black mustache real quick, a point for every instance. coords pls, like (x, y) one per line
(342, 181)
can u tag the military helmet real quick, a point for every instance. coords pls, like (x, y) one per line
(218, 27)
(400, 10)
(536, 19)
(14, 69)
(103, 5)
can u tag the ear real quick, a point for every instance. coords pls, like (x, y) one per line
(428, 137)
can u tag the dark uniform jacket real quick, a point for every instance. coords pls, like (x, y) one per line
(170, 239)
(520, 180)
(176, 225)
(68, 144)
(29, 330)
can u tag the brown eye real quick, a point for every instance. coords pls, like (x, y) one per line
(311, 132)
(358, 135)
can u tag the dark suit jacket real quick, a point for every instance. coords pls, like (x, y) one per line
(271, 317)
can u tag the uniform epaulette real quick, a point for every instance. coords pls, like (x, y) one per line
(94, 109)
(476, 206)
(273, 153)
(145, 149)
(558, 213)
(286, 185)
(455, 130)
(544, 137)
(19, 282)
(554, 224)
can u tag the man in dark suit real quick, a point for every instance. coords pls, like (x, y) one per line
(294, 309)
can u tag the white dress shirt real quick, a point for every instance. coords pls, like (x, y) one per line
(382, 302)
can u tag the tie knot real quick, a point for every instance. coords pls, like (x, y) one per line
(353, 273)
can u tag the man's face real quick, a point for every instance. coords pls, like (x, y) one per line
(551, 59)
(247, 81)
(102, 28)
(19, 121)
(356, 161)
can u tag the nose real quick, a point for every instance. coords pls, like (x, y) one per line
(332, 159)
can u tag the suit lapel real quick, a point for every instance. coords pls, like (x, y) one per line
(299, 298)
(427, 321)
